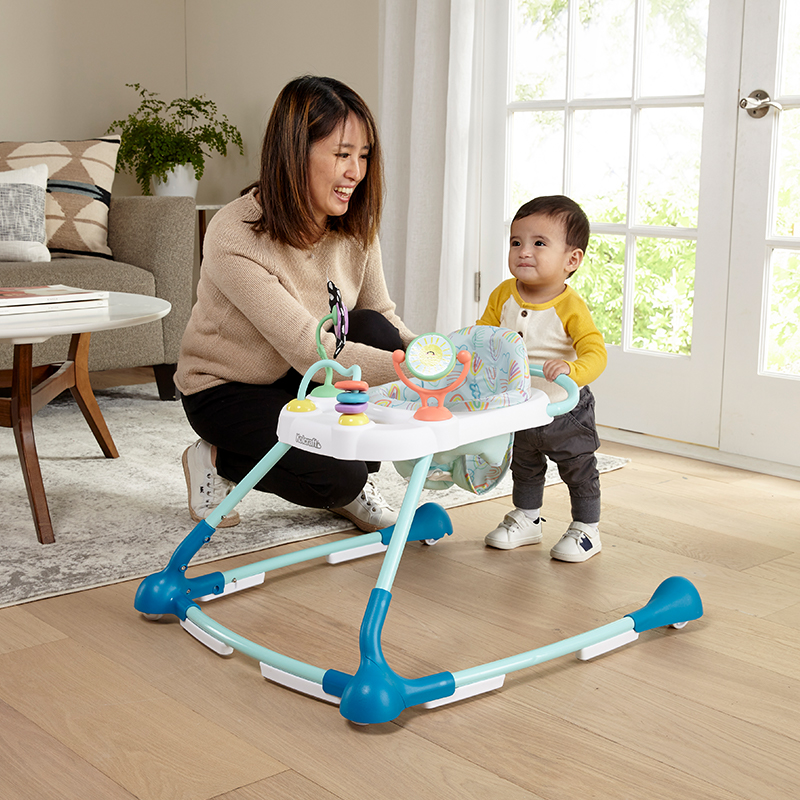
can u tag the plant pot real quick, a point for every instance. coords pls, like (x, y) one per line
(180, 182)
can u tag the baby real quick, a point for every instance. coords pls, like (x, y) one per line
(549, 237)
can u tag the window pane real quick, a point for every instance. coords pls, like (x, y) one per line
(790, 71)
(668, 186)
(540, 50)
(600, 163)
(599, 282)
(537, 155)
(663, 295)
(787, 212)
(783, 326)
(600, 70)
(674, 47)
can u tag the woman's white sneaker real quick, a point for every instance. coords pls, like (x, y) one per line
(207, 489)
(516, 529)
(579, 543)
(369, 511)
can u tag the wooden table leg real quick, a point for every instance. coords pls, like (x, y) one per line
(22, 423)
(84, 396)
(26, 399)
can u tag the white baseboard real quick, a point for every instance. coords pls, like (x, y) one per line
(698, 452)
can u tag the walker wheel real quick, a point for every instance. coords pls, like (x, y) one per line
(430, 542)
(152, 617)
(679, 625)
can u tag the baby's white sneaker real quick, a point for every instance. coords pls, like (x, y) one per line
(516, 529)
(579, 543)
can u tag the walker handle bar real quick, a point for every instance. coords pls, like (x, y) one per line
(565, 382)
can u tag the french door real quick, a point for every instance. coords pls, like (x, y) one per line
(632, 108)
(761, 387)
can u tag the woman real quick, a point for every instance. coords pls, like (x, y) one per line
(312, 216)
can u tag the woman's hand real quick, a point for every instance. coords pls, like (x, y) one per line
(553, 368)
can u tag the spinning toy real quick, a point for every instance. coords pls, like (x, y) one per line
(345, 421)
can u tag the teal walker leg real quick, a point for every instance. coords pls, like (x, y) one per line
(170, 591)
(376, 693)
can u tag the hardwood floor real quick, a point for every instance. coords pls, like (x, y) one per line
(120, 377)
(96, 702)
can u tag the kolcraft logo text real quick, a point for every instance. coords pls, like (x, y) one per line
(307, 442)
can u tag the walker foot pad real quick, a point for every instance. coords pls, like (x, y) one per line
(470, 690)
(206, 638)
(356, 552)
(297, 683)
(594, 650)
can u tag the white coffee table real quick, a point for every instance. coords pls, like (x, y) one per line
(28, 388)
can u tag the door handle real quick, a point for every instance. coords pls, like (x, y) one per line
(758, 103)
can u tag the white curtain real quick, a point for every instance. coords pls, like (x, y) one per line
(430, 128)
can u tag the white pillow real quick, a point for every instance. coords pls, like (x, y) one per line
(22, 221)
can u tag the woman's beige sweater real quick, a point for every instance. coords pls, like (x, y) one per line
(259, 304)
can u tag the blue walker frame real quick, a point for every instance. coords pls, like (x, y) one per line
(376, 693)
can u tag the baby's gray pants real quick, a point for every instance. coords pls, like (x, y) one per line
(570, 441)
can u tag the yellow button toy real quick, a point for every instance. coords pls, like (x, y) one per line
(298, 405)
(353, 419)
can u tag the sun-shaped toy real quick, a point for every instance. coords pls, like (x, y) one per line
(430, 357)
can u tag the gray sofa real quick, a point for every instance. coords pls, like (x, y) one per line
(152, 239)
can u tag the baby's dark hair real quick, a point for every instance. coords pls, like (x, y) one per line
(567, 211)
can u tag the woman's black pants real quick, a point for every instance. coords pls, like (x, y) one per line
(241, 419)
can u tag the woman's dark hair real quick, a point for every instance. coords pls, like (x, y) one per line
(307, 110)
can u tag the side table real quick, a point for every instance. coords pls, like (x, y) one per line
(27, 389)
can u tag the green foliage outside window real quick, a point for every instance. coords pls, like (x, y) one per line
(788, 188)
(663, 268)
(599, 282)
(783, 342)
(663, 288)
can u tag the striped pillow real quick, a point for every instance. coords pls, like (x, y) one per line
(22, 201)
(78, 190)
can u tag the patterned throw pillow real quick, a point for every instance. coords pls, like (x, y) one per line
(22, 201)
(78, 190)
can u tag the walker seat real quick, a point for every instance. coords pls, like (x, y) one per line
(498, 377)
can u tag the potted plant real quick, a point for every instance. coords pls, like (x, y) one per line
(161, 139)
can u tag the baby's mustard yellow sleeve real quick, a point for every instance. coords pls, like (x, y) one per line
(586, 339)
(494, 306)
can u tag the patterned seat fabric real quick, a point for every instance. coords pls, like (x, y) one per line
(498, 377)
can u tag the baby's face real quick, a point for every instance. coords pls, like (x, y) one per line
(538, 254)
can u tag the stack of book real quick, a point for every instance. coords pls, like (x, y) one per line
(35, 299)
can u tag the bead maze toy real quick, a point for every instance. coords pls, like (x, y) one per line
(340, 420)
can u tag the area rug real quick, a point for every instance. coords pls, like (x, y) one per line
(118, 519)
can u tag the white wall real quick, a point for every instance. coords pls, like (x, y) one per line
(64, 65)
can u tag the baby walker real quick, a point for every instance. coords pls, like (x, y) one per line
(465, 441)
